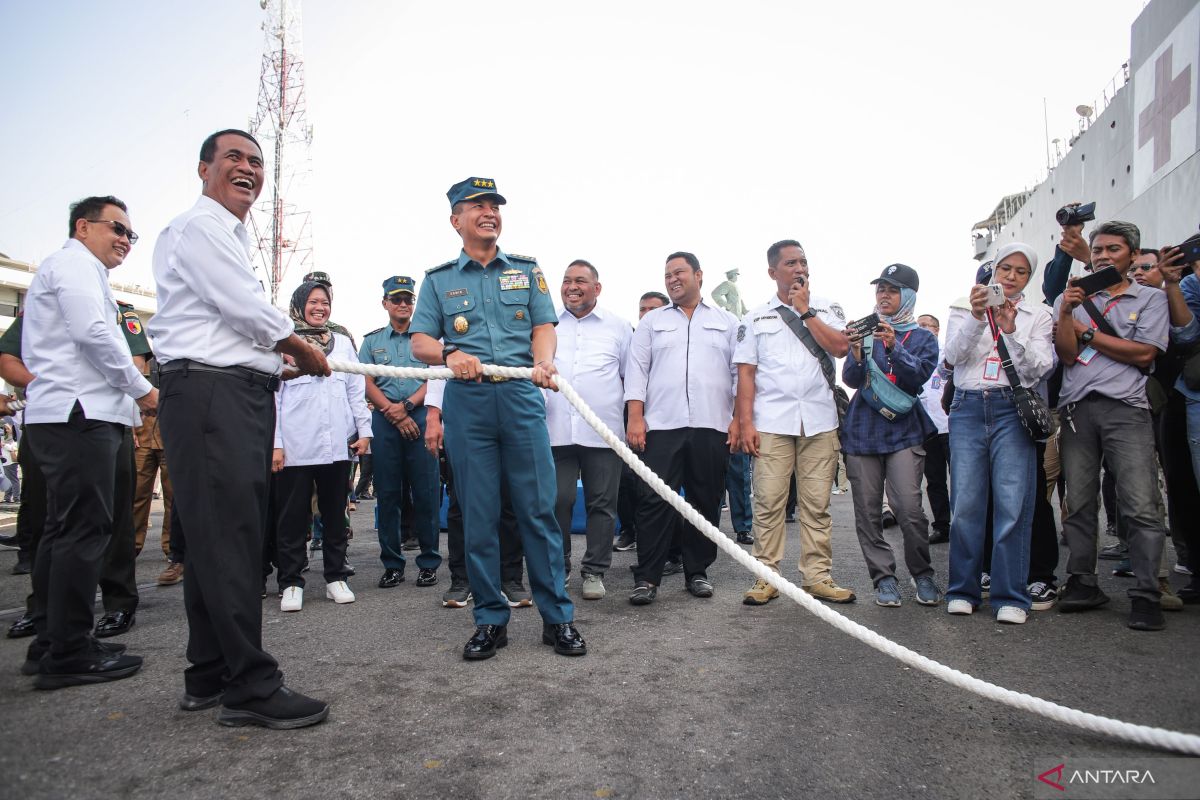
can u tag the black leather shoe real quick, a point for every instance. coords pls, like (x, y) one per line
(283, 710)
(565, 638)
(114, 623)
(485, 642)
(643, 594)
(95, 667)
(939, 537)
(21, 628)
(745, 537)
(1146, 615)
(23, 566)
(8, 541)
(672, 567)
(426, 577)
(391, 579)
(191, 702)
(699, 586)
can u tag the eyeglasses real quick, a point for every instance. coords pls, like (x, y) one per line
(1143, 267)
(119, 229)
(402, 300)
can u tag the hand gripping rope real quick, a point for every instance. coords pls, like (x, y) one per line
(1141, 734)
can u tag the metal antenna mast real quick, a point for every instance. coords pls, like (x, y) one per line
(281, 224)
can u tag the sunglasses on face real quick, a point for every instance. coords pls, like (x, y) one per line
(119, 229)
(402, 300)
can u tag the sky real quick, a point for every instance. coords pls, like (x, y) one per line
(619, 132)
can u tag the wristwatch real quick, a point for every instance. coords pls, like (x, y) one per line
(808, 314)
(409, 405)
(447, 350)
(1086, 337)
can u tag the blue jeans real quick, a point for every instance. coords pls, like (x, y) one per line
(990, 451)
(737, 484)
(1193, 433)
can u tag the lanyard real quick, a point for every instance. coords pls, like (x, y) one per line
(891, 376)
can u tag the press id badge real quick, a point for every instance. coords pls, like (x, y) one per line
(1086, 355)
(991, 369)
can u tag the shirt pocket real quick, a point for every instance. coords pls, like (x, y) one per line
(716, 334)
(455, 307)
(772, 346)
(514, 309)
(380, 355)
(666, 334)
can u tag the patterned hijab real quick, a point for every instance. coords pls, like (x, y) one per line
(319, 336)
(904, 319)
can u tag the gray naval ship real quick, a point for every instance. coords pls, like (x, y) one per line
(1134, 154)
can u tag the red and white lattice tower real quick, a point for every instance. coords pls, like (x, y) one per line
(281, 222)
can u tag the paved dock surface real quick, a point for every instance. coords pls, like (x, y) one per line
(686, 698)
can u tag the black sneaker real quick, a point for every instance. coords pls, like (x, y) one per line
(283, 710)
(1043, 595)
(1146, 615)
(1078, 596)
(672, 567)
(457, 596)
(97, 665)
(516, 595)
(426, 577)
(410, 544)
(643, 594)
(745, 537)
(889, 518)
(1124, 569)
(625, 542)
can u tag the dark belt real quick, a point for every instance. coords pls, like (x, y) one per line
(251, 376)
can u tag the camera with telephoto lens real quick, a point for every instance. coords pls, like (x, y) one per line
(1076, 215)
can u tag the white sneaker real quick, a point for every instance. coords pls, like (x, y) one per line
(960, 608)
(593, 587)
(1011, 615)
(339, 592)
(293, 599)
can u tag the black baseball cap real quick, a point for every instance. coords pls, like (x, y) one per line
(901, 276)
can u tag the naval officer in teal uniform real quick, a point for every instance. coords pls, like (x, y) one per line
(489, 307)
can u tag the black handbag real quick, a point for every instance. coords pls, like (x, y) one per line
(1032, 410)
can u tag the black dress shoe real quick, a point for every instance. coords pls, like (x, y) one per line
(8, 541)
(939, 537)
(565, 638)
(426, 577)
(94, 667)
(485, 642)
(193, 702)
(114, 623)
(391, 578)
(283, 710)
(23, 566)
(745, 537)
(699, 586)
(672, 567)
(21, 628)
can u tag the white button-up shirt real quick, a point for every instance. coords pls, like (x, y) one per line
(71, 341)
(316, 418)
(969, 344)
(791, 395)
(211, 307)
(683, 369)
(591, 356)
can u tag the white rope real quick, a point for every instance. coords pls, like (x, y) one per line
(1141, 734)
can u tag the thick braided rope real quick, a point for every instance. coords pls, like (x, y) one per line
(1141, 734)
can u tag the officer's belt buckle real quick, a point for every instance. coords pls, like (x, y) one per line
(497, 378)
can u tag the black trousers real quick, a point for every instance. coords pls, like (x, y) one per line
(118, 576)
(31, 514)
(78, 460)
(218, 430)
(628, 498)
(366, 470)
(937, 465)
(294, 488)
(512, 553)
(695, 460)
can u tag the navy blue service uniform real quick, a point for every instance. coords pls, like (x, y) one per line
(496, 428)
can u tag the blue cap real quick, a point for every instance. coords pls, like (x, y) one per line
(398, 284)
(983, 275)
(472, 188)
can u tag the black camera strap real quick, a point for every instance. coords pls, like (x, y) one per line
(1102, 324)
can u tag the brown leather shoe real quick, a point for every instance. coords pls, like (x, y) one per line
(172, 575)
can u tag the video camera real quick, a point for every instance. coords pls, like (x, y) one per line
(1076, 215)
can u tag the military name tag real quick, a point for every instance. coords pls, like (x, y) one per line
(518, 281)
(456, 293)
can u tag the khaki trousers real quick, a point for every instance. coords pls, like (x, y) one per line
(148, 462)
(813, 459)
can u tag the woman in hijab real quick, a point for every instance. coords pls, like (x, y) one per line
(319, 423)
(884, 448)
(990, 451)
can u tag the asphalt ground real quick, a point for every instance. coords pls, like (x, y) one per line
(684, 698)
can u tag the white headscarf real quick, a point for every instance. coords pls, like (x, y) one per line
(1023, 249)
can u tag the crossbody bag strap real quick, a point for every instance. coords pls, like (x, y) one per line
(1005, 359)
(1102, 324)
(805, 335)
